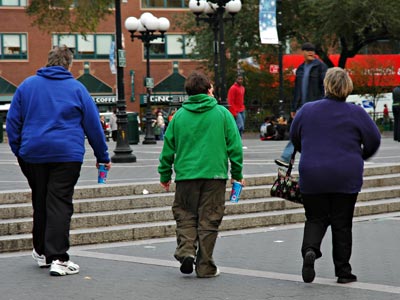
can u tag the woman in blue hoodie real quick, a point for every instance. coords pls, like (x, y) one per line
(334, 138)
(49, 117)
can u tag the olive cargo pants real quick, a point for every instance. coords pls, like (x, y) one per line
(198, 209)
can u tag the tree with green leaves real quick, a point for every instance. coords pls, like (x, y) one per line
(72, 15)
(344, 26)
(241, 40)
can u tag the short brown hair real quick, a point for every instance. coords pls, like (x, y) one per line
(59, 56)
(197, 83)
(338, 83)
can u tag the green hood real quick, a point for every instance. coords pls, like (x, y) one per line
(199, 103)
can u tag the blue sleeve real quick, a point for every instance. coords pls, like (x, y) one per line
(370, 134)
(14, 124)
(295, 134)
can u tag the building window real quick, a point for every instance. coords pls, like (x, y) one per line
(164, 3)
(12, 2)
(173, 46)
(13, 46)
(90, 46)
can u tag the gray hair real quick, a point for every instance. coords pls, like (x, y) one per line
(338, 83)
(60, 56)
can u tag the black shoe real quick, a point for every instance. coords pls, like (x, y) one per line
(347, 279)
(187, 265)
(282, 163)
(308, 271)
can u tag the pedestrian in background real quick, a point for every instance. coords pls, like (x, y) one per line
(49, 117)
(396, 113)
(236, 102)
(334, 138)
(104, 126)
(114, 125)
(199, 142)
(308, 86)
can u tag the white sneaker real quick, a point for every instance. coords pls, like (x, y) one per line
(40, 259)
(62, 268)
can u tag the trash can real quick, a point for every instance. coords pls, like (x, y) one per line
(133, 128)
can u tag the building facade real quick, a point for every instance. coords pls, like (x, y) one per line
(24, 48)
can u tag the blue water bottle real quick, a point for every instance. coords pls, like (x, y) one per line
(236, 190)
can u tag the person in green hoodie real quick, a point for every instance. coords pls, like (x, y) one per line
(199, 143)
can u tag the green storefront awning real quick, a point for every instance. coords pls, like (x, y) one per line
(175, 83)
(94, 85)
(7, 91)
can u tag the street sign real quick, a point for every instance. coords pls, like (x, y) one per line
(149, 82)
(121, 58)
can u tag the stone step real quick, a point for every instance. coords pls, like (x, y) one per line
(120, 190)
(259, 187)
(130, 232)
(163, 213)
(113, 213)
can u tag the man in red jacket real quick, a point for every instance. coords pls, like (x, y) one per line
(236, 102)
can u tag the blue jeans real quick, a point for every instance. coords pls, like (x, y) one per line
(240, 118)
(287, 152)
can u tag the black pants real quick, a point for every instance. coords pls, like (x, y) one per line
(52, 186)
(114, 134)
(396, 123)
(336, 210)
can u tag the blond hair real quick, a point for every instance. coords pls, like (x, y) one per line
(337, 83)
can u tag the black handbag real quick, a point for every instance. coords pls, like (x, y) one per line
(287, 186)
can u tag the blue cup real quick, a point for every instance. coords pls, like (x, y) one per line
(102, 176)
(236, 190)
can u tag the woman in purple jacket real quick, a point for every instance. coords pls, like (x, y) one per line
(334, 138)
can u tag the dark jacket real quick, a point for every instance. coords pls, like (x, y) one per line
(315, 84)
(334, 138)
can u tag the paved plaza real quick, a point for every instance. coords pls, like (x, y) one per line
(258, 159)
(262, 263)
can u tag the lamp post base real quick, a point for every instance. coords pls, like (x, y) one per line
(149, 141)
(123, 157)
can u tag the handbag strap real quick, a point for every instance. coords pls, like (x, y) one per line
(291, 163)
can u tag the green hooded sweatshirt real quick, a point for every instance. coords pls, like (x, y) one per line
(200, 140)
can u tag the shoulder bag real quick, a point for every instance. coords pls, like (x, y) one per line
(287, 186)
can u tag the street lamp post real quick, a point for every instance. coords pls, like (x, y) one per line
(280, 56)
(215, 11)
(123, 152)
(147, 26)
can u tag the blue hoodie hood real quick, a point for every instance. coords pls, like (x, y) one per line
(55, 72)
(50, 115)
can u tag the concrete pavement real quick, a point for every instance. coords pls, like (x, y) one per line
(262, 263)
(258, 159)
(257, 264)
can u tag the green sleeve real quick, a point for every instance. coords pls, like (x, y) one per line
(167, 155)
(234, 147)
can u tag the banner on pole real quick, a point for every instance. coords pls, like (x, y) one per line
(112, 58)
(267, 22)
